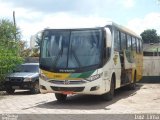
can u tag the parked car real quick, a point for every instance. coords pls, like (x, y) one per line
(26, 76)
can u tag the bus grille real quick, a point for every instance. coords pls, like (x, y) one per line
(73, 89)
(65, 82)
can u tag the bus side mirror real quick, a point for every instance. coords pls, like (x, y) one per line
(108, 38)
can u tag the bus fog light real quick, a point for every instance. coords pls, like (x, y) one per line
(94, 88)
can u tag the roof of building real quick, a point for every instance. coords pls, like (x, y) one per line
(151, 47)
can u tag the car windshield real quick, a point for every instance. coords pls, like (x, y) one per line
(28, 68)
(71, 49)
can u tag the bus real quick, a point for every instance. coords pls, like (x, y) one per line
(93, 61)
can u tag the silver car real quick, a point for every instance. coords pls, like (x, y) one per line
(26, 76)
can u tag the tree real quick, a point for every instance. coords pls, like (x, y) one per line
(24, 50)
(36, 50)
(9, 47)
(38, 38)
(150, 36)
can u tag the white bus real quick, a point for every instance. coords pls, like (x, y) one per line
(89, 61)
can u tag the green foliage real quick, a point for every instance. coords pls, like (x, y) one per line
(24, 51)
(38, 43)
(9, 48)
(35, 52)
(150, 36)
(38, 38)
(8, 31)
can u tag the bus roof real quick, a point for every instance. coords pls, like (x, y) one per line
(111, 23)
(122, 28)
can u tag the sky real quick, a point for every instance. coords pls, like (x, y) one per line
(35, 15)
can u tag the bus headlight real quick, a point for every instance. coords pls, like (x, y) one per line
(43, 77)
(94, 77)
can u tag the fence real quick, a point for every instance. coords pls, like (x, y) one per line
(151, 53)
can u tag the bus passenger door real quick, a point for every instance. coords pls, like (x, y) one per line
(127, 64)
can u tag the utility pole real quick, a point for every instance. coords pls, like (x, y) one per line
(14, 22)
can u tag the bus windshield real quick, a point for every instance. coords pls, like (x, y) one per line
(71, 48)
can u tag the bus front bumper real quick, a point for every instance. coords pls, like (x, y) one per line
(96, 87)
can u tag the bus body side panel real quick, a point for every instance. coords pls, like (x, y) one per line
(113, 65)
(116, 62)
(110, 68)
(117, 68)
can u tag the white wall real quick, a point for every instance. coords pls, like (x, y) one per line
(151, 66)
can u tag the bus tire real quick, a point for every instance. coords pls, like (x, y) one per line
(109, 96)
(60, 97)
(132, 86)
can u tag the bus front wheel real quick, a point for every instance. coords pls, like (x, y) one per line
(60, 97)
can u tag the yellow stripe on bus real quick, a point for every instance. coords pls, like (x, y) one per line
(58, 76)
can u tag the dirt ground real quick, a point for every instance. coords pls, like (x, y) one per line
(145, 100)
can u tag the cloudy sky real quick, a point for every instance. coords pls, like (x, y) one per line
(35, 15)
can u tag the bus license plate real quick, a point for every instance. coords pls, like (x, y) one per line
(67, 92)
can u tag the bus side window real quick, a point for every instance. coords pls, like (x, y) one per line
(117, 40)
(138, 47)
(123, 41)
(129, 44)
(134, 46)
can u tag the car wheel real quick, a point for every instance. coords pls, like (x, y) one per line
(10, 90)
(60, 97)
(109, 96)
(35, 88)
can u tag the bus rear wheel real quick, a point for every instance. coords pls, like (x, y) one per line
(60, 97)
(132, 86)
(109, 96)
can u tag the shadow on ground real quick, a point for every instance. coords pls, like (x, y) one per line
(89, 102)
(18, 92)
